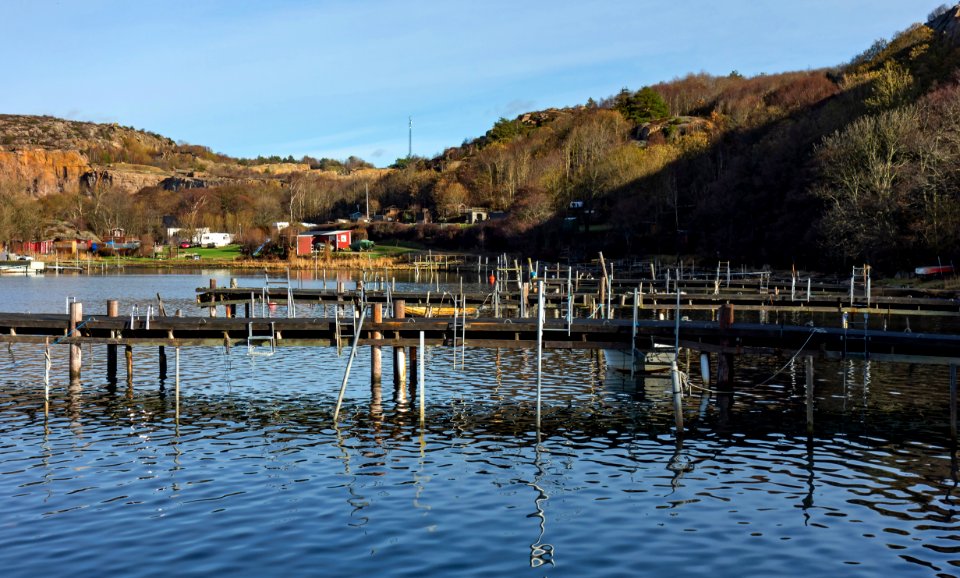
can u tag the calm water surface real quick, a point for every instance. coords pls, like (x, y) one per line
(255, 479)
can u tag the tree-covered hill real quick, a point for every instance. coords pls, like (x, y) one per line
(819, 168)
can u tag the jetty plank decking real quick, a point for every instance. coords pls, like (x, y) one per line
(740, 338)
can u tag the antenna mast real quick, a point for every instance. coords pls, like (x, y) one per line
(410, 139)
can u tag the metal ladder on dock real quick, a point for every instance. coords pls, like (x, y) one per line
(265, 345)
(291, 307)
(345, 329)
(859, 297)
(765, 282)
(721, 266)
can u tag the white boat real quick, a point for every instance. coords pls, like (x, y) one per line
(656, 360)
(22, 267)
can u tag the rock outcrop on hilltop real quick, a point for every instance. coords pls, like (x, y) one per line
(44, 172)
(43, 155)
(947, 25)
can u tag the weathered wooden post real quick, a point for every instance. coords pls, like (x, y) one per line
(376, 357)
(163, 362)
(524, 295)
(399, 353)
(213, 298)
(76, 314)
(808, 363)
(128, 352)
(113, 310)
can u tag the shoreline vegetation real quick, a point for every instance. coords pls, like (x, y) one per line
(396, 258)
(231, 257)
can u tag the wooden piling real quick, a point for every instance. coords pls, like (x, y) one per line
(376, 356)
(128, 353)
(76, 314)
(163, 362)
(399, 353)
(213, 297)
(113, 310)
(524, 295)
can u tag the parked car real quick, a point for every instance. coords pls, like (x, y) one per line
(24, 258)
(184, 244)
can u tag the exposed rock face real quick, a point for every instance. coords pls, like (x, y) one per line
(43, 172)
(23, 131)
(280, 168)
(127, 181)
(132, 180)
(947, 25)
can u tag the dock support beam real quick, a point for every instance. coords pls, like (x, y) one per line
(76, 314)
(113, 310)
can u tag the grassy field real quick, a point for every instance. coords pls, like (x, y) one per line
(380, 256)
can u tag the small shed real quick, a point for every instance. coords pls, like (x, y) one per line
(338, 240)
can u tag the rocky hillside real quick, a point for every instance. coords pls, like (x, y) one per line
(51, 133)
(44, 155)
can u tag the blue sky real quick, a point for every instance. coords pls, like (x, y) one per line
(340, 78)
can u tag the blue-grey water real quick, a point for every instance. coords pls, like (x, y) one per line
(255, 479)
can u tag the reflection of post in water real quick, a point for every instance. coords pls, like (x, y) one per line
(808, 499)
(540, 552)
(419, 478)
(74, 391)
(356, 501)
(498, 377)
(376, 409)
(679, 464)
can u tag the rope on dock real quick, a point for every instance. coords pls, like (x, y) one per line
(79, 325)
(685, 379)
(794, 357)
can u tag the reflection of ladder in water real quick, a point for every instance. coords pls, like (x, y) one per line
(261, 344)
(859, 297)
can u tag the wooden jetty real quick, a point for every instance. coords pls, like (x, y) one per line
(512, 303)
(723, 338)
(740, 339)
